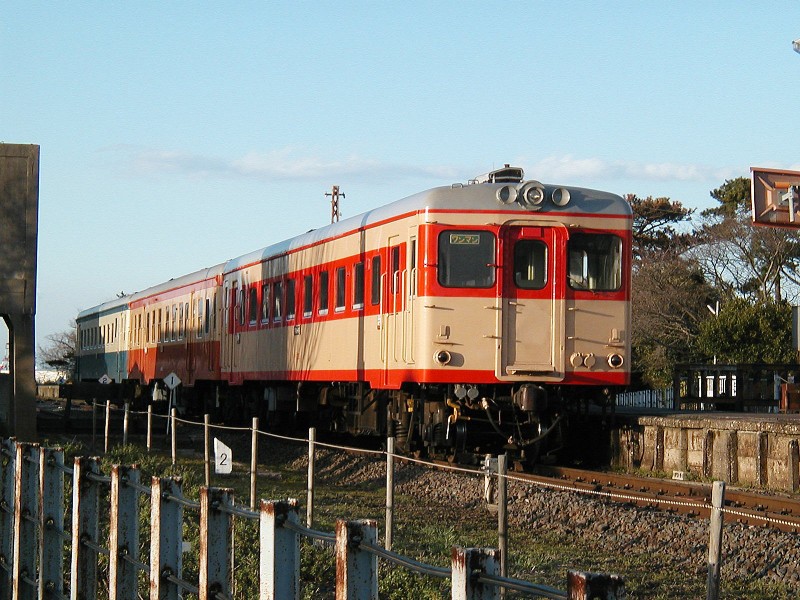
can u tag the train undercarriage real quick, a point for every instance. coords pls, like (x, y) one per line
(527, 421)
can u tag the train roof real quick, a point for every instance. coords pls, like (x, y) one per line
(125, 301)
(500, 191)
(472, 197)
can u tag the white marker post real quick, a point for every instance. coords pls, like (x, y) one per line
(223, 458)
(172, 381)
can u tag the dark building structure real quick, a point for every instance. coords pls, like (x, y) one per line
(19, 211)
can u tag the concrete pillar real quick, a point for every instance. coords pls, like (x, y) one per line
(19, 197)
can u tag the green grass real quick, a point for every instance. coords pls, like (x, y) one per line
(423, 531)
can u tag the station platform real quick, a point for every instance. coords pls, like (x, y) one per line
(760, 450)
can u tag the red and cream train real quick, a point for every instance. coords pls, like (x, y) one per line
(461, 318)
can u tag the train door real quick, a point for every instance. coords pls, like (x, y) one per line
(533, 304)
(393, 307)
(227, 334)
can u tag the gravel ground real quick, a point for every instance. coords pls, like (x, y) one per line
(678, 542)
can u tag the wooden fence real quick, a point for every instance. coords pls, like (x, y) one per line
(51, 546)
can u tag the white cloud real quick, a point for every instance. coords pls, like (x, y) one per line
(569, 168)
(274, 165)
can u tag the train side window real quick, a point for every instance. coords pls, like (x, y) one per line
(595, 262)
(375, 295)
(265, 303)
(180, 323)
(174, 321)
(199, 317)
(167, 328)
(395, 257)
(466, 259)
(322, 306)
(412, 271)
(253, 309)
(341, 281)
(290, 300)
(358, 285)
(277, 302)
(308, 295)
(186, 319)
(530, 264)
(240, 308)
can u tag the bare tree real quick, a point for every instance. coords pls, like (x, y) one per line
(59, 352)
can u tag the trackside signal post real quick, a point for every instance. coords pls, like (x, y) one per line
(19, 210)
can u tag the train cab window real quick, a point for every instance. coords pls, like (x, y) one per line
(290, 300)
(341, 281)
(358, 285)
(322, 306)
(277, 302)
(595, 262)
(308, 296)
(253, 312)
(375, 295)
(530, 264)
(466, 259)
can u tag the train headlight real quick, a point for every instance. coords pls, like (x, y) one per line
(561, 197)
(442, 357)
(615, 361)
(507, 194)
(531, 194)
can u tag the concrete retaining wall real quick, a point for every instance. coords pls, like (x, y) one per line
(761, 451)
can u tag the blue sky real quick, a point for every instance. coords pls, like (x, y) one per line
(176, 135)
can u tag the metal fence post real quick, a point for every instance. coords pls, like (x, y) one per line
(94, 425)
(389, 492)
(7, 481)
(149, 427)
(312, 437)
(502, 512)
(254, 464)
(279, 554)
(588, 586)
(85, 528)
(207, 449)
(26, 517)
(108, 421)
(51, 543)
(123, 538)
(216, 542)
(466, 563)
(125, 420)
(166, 538)
(715, 540)
(356, 568)
(172, 421)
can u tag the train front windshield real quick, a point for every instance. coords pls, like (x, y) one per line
(466, 259)
(595, 262)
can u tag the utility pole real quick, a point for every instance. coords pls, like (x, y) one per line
(335, 195)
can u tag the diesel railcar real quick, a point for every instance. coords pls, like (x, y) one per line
(462, 318)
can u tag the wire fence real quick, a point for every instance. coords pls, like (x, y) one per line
(96, 528)
(238, 436)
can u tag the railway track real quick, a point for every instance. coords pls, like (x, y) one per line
(690, 498)
(694, 499)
